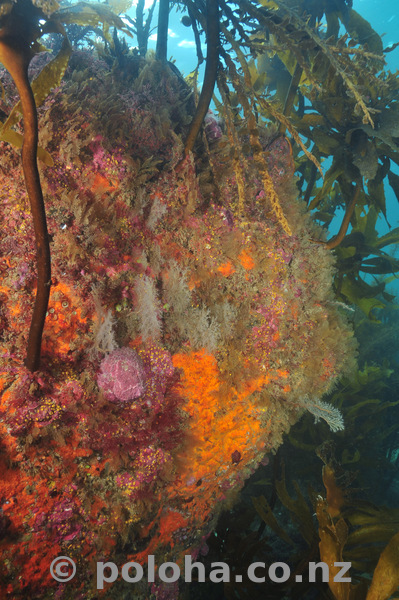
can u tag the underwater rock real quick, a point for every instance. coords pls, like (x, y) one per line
(226, 323)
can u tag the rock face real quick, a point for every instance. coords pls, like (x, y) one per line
(183, 337)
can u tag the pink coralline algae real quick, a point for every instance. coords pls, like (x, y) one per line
(165, 591)
(65, 521)
(148, 465)
(159, 372)
(160, 361)
(122, 375)
(212, 127)
(279, 159)
(149, 462)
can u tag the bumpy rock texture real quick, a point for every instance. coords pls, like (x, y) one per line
(183, 338)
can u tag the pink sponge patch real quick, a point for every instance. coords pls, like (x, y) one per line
(122, 375)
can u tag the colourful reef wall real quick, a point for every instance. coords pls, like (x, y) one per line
(183, 338)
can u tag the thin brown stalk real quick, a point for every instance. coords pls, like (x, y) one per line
(15, 56)
(211, 70)
(335, 241)
(162, 35)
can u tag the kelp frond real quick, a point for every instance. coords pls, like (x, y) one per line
(314, 65)
(256, 146)
(298, 38)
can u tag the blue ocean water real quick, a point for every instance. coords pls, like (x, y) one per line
(384, 18)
